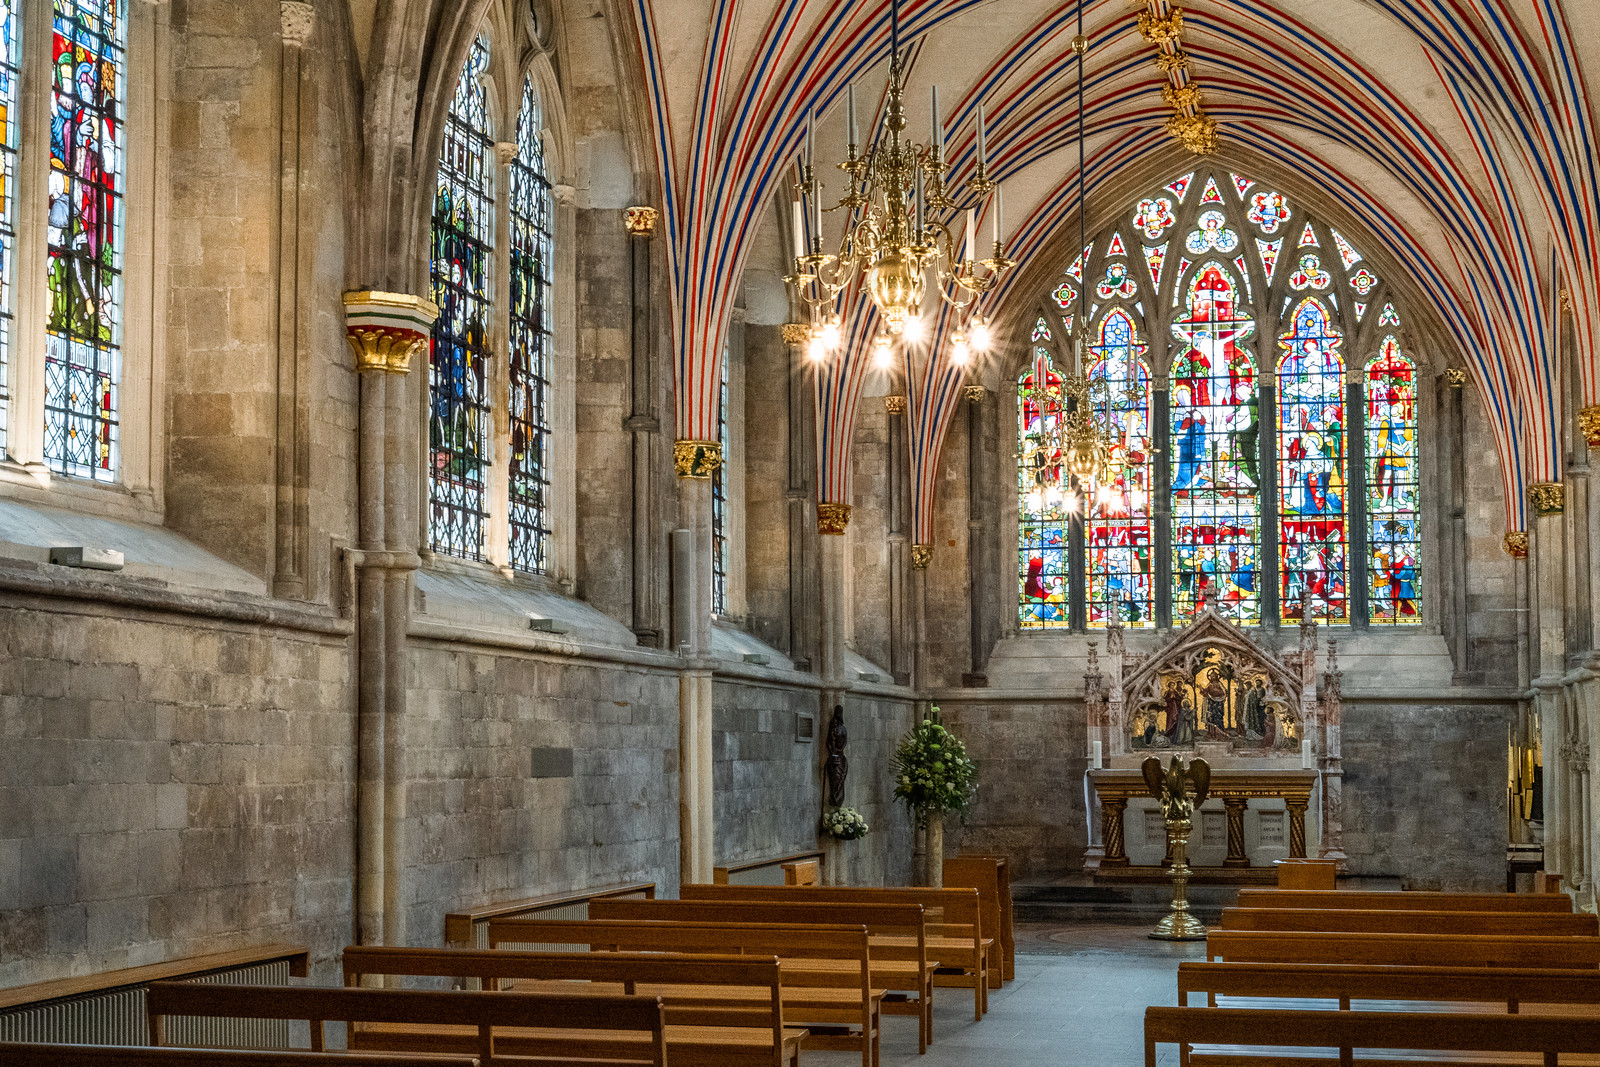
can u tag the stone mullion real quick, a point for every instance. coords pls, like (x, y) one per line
(497, 479)
(644, 426)
(1357, 556)
(1161, 509)
(1078, 609)
(1267, 576)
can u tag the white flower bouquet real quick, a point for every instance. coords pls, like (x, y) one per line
(845, 823)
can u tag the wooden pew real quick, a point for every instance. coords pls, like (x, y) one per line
(1550, 923)
(505, 1026)
(956, 939)
(889, 926)
(1240, 1030)
(1407, 901)
(724, 1010)
(991, 877)
(16, 1055)
(835, 957)
(1513, 986)
(1415, 950)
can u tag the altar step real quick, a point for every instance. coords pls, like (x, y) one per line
(1077, 898)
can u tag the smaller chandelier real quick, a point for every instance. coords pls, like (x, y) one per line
(1068, 447)
(897, 234)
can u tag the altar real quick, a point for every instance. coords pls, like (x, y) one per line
(1259, 718)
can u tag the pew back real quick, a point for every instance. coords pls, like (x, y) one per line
(1417, 950)
(1512, 985)
(1552, 924)
(1346, 899)
(32, 1055)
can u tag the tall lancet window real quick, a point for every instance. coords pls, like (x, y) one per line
(1044, 512)
(1121, 544)
(459, 419)
(83, 332)
(1393, 540)
(1216, 470)
(1312, 532)
(719, 499)
(530, 340)
(9, 59)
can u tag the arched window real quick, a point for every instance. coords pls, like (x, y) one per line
(530, 340)
(1044, 514)
(719, 498)
(83, 331)
(1216, 429)
(1312, 531)
(459, 422)
(1250, 449)
(8, 183)
(1120, 564)
(1393, 539)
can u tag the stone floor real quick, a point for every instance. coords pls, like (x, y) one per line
(1078, 999)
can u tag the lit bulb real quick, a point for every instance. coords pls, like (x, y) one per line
(882, 353)
(830, 333)
(817, 349)
(1104, 496)
(982, 336)
(960, 351)
(913, 329)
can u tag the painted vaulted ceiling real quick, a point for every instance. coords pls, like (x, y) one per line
(1457, 135)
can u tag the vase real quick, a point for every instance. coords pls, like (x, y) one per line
(933, 852)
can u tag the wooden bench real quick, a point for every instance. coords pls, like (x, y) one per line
(991, 877)
(506, 1027)
(15, 1055)
(1251, 1036)
(774, 871)
(1345, 899)
(468, 928)
(1548, 923)
(889, 926)
(956, 937)
(719, 1009)
(811, 958)
(1513, 986)
(1416, 950)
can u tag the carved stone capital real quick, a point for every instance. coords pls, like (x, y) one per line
(1549, 498)
(696, 459)
(796, 334)
(297, 20)
(1566, 300)
(1455, 377)
(505, 152)
(921, 556)
(566, 195)
(894, 405)
(975, 394)
(832, 518)
(1516, 544)
(386, 329)
(640, 221)
(1589, 423)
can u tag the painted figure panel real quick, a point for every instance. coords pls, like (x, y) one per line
(1312, 520)
(1119, 532)
(1044, 514)
(1214, 695)
(1393, 492)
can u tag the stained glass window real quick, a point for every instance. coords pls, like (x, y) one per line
(459, 423)
(1045, 514)
(1311, 466)
(1216, 433)
(530, 340)
(8, 171)
(1120, 555)
(719, 501)
(83, 344)
(1394, 539)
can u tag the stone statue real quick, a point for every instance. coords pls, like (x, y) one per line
(837, 768)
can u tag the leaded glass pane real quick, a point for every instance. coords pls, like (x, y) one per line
(530, 340)
(83, 353)
(1394, 539)
(1045, 512)
(1120, 538)
(719, 503)
(1216, 432)
(1312, 522)
(9, 59)
(459, 424)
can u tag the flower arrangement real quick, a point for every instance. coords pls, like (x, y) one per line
(933, 773)
(844, 823)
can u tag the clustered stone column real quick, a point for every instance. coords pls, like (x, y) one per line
(643, 426)
(694, 461)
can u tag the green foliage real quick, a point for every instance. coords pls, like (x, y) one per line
(933, 773)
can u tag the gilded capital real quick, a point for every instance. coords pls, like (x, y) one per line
(1159, 31)
(1589, 423)
(1455, 377)
(696, 459)
(894, 405)
(385, 330)
(921, 556)
(1180, 99)
(796, 334)
(1197, 132)
(640, 221)
(1171, 61)
(975, 394)
(1566, 300)
(1549, 498)
(1516, 544)
(832, 518)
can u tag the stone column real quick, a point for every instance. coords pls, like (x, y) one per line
(802, 465)
(1330, 838)
(694, 461)
(921, 556)
(1461, 646)
(899, 516)
(1357, 582)
(1111, 823)
(1237, 857)
(979, 486)
(644, 426)
(1548, 586)
(1161, 507)
(832, 521)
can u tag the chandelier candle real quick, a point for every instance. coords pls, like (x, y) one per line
(983, 151)
(850, 113)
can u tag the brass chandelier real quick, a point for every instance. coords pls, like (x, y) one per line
(897, 209)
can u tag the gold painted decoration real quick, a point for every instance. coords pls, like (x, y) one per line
(921, 556)
(1171, 61)
(1215, 694)
(1549, 498)
(1516, 544)
(894, 405)
(796, 334)
(696, 459)
(832, 518)
(385, 330)
(640, 221)
(1197, 132)
(1455, 377)
(1159, 31)
(975, 394)
(1589, 423)
(1180, 98)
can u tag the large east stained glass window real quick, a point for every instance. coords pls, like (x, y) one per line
(1312, 531)
(1216, 432)
(1393, 537)
(83, 333)
(8, 175)
(1120, 564)
(530, 339)
(1045, 513)
(459, 422)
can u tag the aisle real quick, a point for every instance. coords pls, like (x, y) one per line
(1078, 1001)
